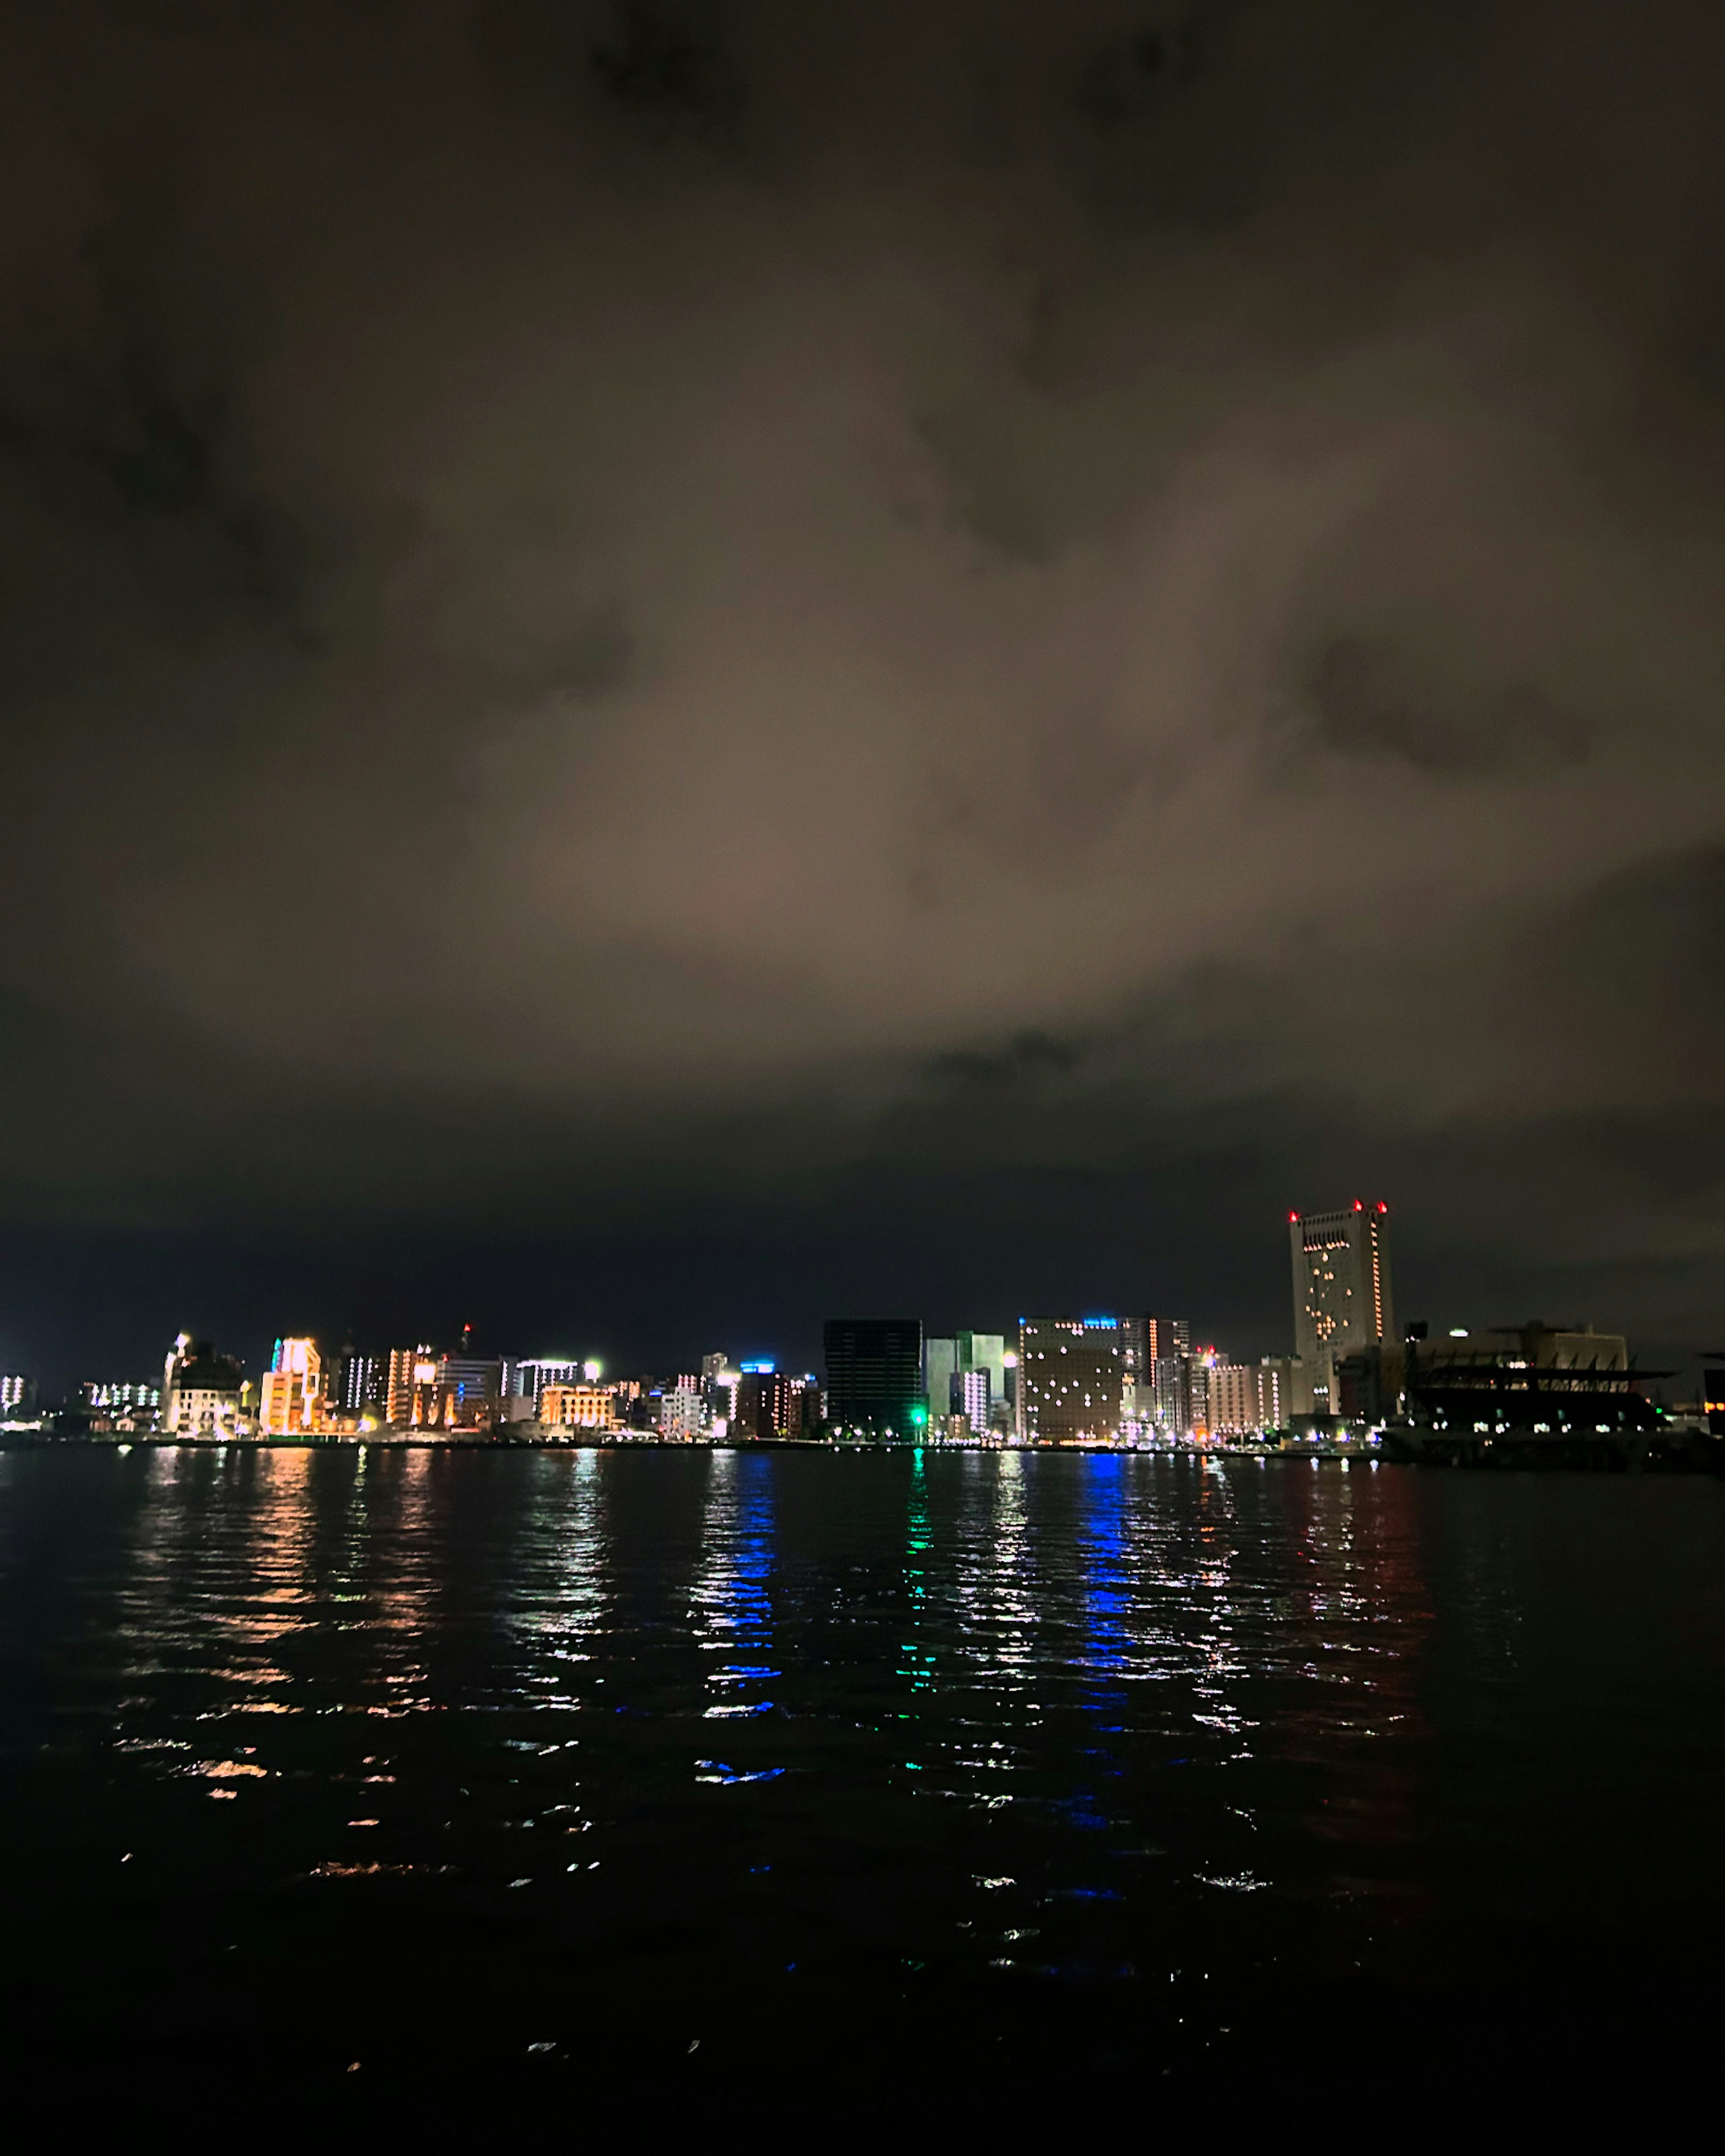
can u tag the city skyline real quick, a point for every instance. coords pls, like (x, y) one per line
(662, 654)
(857, 857)
(1058, 1378)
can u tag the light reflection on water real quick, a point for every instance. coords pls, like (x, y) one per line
(982, 1720)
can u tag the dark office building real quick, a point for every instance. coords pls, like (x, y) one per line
(875, 1376)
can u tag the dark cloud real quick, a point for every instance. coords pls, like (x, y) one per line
(1367, 703)
(1084, 620)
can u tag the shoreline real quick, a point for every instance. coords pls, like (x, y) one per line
(1684, 1452)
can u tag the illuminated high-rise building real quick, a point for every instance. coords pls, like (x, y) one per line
(950, 1362)
(365, 1384)
(976, 1396)
(410, 1396)
(203, 1394)
(1342, 1301)
(985, 1351)
(1072, 1377)
(525, 1377)
(768, 1403)
(292, 1403)
(1157, 1339)
(682, 1412)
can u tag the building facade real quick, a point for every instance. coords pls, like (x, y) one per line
(682, 1412)
(291, 1403)
(769, 1403)
(874, 1377)
(364, 1385)
(578, 1407)
(1071, 1373)
(1343, 1299)
(1158, 1339)
(203, 1392)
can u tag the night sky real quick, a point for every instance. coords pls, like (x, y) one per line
(670, 668)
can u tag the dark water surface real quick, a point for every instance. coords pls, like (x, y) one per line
(734, 1787)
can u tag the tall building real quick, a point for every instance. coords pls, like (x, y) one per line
(411, 1392)
(874, 1376)
(1072, 1375)
(525, 1377)
(1234, 1398)
(682, 1412)
(470, 1391)
(976, 1397)
(949, 1362)
(985, 1351)
(203, 1392)
(1157, 1339)
(291, 1403)
(1342, 1292)
(1284, 1391)
(769, 1403)
(365, 1384)
(17, 1393)
(941, 1365)
(1175, 1410)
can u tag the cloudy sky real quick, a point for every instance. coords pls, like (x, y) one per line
(670, 666)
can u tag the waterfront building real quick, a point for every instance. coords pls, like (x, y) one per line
(1171, 1395)
(682, 1411)
(718, 1387)
(976, 1396)
(1072, 1374)
(292, 1403)
(1284, 1391)
(125, 1405)
(769, 1403)
(1158, 1339)
(1524, 1390)
(1233, 1399)
(18, 1394)
(1342, 1300)
(203, 1394)
(364, 1388)
(470, 1391)
(940, 1364)
(874, 1376)
(583, 1406)
(525, 1377)
(410, 1393)
(986, 1352)
(950, 1361)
